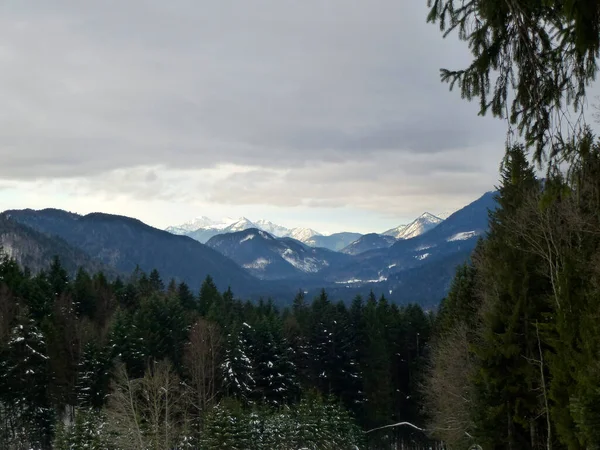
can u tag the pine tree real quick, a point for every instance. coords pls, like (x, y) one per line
(93, 376)
(209, 294)
(532, 60)
(186, 298)
(376, 368)
(162, 326)
(57, 277)
(24, 378)
(227, 428)
(84, 294)
(155, 282)
(127, 343)
(274, 372)
(88, 431)
(237, 367)
(507, 381)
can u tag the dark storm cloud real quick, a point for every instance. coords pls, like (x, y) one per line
(303, 91)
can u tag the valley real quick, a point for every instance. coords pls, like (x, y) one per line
(410, 263)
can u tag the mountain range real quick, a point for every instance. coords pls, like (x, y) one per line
(420, 225)
(203, 229)
(254, 262)
(122, 244)
(269, 257)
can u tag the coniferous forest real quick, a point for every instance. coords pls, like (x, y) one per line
(509, 360)
(514, 359)
(144, 364)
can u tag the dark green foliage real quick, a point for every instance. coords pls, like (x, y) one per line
(62, 340)
(508, 380)
(311, 424)
(238, 369)
(37, 250)
(522, 320)
(122, 244)
(209, 294)
(93, 375)
(531, 59)
(24, 376)
(87, 431)
(227, 427)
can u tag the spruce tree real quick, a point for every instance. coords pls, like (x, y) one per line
(376, 368)
(209, 294)
(93, 375)
(508, 381)
(237, 368)
(532, 60)
(24, 378)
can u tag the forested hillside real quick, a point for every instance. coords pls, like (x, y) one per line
(123, 243)
(515, 357)
(137, 363)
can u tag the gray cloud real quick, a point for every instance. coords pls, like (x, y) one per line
(330, 101)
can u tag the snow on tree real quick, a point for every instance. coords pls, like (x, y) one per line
(237, 368)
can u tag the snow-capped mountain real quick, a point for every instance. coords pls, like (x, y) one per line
(204, 228)
(422, 266)
(371, 241)
(272, 228)
(271, 258)
(302, 234)
(239, 225)
(335, 241)
(420, 225)
(192, 225)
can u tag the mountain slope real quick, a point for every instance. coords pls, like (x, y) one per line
(371, 241)
(192, 225)
(272, 258)
(436, 251)
(302, 234)
(123, 243)
(36, 251)
(272, 228)
(335, 241)
(420, 225)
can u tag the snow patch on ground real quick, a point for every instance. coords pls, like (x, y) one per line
(258, 264)
(463, 236)
(247, 238)
(356, 280)
(308, 265)
(423, 247)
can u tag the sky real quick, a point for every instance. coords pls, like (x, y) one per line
(320, 113)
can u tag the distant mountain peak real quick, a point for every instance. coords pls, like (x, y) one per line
(303, 234)
(420, 225)
(429, 216)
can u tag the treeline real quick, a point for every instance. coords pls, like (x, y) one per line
(136, 364)
(515, 360)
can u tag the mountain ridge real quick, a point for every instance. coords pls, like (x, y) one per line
(125, 243)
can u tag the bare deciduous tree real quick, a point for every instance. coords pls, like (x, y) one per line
(447, 392)
(202, 361)
(149, 412)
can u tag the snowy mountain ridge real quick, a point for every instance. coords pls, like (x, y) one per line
(203, 228)
(420, 225)
(270, 258)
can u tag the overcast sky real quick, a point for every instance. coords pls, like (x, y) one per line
(321, 113)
